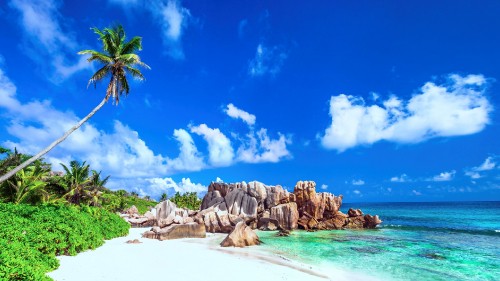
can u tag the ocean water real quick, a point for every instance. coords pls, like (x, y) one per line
(417, 241)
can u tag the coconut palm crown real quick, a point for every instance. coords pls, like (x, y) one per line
(118, 58)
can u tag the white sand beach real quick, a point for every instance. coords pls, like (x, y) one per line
(187, 259)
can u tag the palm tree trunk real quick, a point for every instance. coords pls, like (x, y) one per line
(52, 145)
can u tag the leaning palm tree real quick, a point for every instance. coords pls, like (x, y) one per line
(119, 58)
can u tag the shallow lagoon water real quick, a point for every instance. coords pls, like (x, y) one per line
(417, 241)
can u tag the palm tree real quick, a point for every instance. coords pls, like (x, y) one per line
(76, 180)
(95, 189)
(164, 197)
(119, 59)
(28, 185)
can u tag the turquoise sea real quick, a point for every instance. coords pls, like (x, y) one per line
(417, 241)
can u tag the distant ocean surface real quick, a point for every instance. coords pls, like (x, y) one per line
(417, 241)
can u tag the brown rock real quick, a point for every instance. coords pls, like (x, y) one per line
(287, 215)
(354, 213)
(241, 236)
(268, 224)
(355, 222)
(177, 231)
(140, 222)
(132, 210)
(165, 209)
(371, 222)
(135, 241)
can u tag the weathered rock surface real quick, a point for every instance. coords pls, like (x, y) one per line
(241, 236)
(132, 210)
(176, 231)
(272, 207)
(286, 215)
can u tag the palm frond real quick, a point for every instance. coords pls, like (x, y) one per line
(136, 73)
(135, 44)
(99, 75)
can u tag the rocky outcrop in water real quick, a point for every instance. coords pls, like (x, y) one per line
(274, 208)
(254, 205)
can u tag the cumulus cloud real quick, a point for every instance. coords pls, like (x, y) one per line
(267, 61)
(46, 39)
(357, 192)
(120, 152)
(458, 107)
(358, 182)
(324, 187)
(259, 147)
(416, 193)
(236, 113)
(219, 146)
(158, 186)
(402, 178)
(487, 165)
(444, 176)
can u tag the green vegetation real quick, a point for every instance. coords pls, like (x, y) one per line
(188, 200)
(120, 200)
(80, 185)
(31, 236)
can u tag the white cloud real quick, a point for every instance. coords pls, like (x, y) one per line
(444, 176)
(416, 193)
(219, 146)
(43, 24)
(402, 178)
(158, 186)
(174, 20)
(218, 180)
(454, 109)
(260, 148)
(358, 182)
(120, 152)
(487, 165)
(357, 192)
(324, 186)
(234, 112)
(267, 60)
(189, 158)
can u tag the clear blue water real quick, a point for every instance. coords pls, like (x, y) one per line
(417, 241)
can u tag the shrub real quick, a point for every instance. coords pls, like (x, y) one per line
(32, 236)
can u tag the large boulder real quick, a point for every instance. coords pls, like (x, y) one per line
(165, 209)
(132, 210)
(286, 215)
(371, 221)
(176, 231)
(241, 236)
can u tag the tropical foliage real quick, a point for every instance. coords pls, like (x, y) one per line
(31, 236)
(188, 200)
(79, 185)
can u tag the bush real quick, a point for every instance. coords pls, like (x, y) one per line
(32, 236)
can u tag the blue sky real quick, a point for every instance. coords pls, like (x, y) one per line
(378, 100)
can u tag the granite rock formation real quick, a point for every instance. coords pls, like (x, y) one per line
(274, 208)
(241, 236)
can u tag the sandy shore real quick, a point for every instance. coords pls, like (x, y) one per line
(187, 259)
